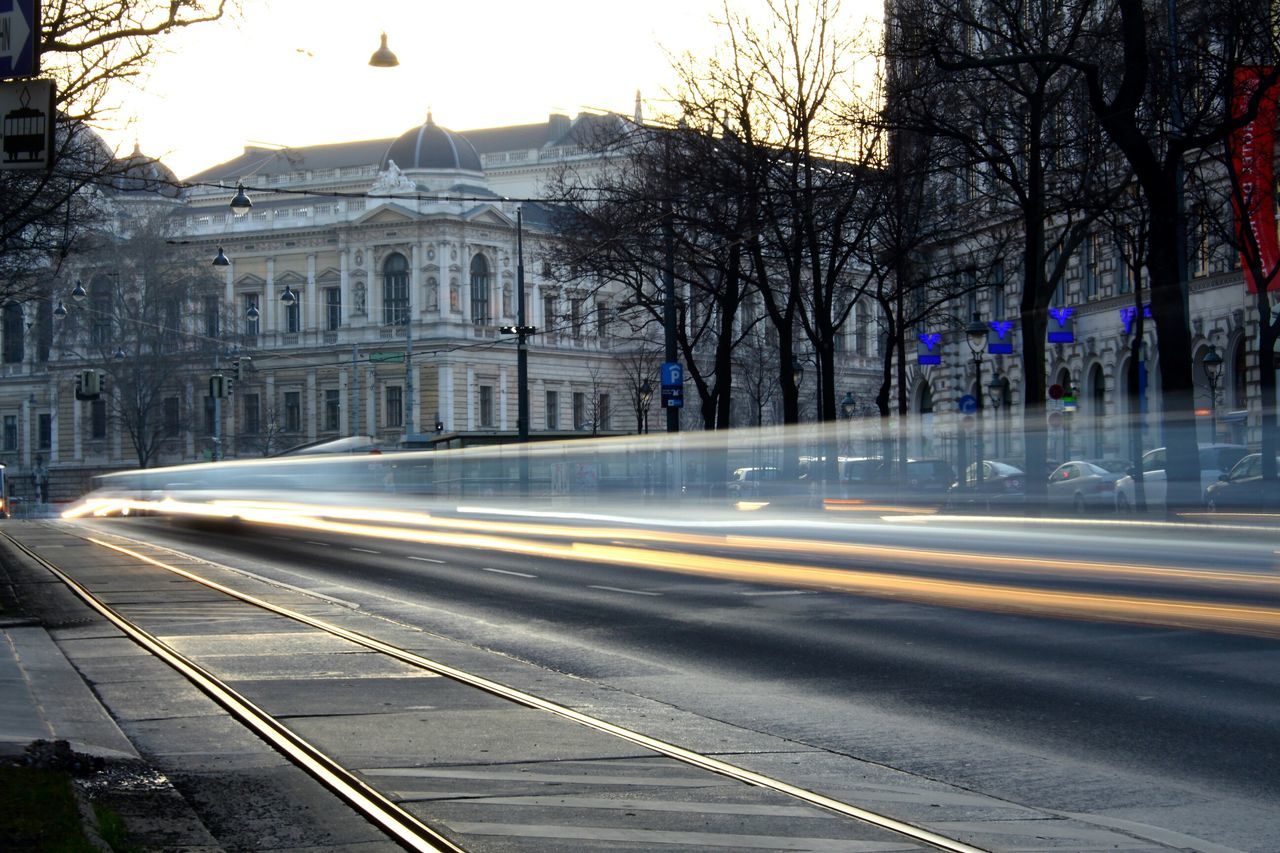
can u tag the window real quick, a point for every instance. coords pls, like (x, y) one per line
(293, 316)
(100, 299)
(553, 410)
(394, 414)
(250, 326)
(395, 290)
(575, 316)
(1200, 248)
(292, 411)
(602, 319)
(172, 321)
(332, 308)
(861, 317)
(10, 432)
(479, 290)
(1090, 263)
(549, 313)
(44, 330)
(252, 414)
(211, 325)
(579, 410)
(171, 416)
(44, 430)
(998, 307)
(97, 419)
(602, 412)
(486, 405)
(332, 409)
(13, 332)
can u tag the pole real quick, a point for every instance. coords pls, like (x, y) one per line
(981, 424)
(408, 368)
(355, 390)
(522, 358)
(217, 413)
(669, 288)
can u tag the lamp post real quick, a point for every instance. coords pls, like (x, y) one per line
(1213, 371)
(976, 336)
(522, 330)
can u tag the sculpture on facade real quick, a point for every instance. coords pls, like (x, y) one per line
(360, 295)
(393, 181)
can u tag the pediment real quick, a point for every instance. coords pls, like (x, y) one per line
(328, 273)
(290, 277)
(489, 215)
(389, 213)
(251, 280)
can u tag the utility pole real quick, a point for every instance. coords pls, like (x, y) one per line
(355, 390)
(522, 330)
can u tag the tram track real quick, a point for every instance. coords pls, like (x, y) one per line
(377, 807)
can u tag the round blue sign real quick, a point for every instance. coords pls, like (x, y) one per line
(968, 404)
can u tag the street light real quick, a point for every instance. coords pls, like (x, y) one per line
(252, 313)
(797, 372)
(1213, 371)
(60, 311)
(78, 294)
(976, 333)
(289, 298)
(241, 203)
(847, 405)
(220, 259)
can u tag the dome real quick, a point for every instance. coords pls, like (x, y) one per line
(140, 173)
(433, 147)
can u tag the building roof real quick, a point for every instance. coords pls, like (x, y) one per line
(431, 146)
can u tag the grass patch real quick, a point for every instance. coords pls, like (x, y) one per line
(38, 812)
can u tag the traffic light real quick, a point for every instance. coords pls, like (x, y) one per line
(217, 386)
(243, 363)
(88, 385)
(229, 386)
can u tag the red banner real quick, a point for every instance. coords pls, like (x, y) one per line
(1253, 150)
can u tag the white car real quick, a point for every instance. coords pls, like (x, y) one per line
(1215, 459)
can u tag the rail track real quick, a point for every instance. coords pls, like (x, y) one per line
(385, 809)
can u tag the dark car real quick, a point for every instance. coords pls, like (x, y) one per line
(1241, 487)
(1085, 484)
(1001, 483)
(883, 480)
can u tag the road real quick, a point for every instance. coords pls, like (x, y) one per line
(1161, 729)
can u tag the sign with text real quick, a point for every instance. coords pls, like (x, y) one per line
(26, 124)
(1253, 149)
(19, 38)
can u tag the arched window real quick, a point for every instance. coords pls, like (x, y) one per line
(479, 290)
(395, 290)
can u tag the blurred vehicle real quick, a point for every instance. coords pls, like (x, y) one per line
(1240, 488)
(751, 482)
(1085, 484)
(925, 480)
(1001, 483)
(1215, 459)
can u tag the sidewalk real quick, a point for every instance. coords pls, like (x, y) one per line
(43, 697)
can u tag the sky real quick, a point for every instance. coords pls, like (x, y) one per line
(295, 72)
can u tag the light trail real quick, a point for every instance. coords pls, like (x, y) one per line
(1249, 619)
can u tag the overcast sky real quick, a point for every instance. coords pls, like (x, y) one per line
(295, 72)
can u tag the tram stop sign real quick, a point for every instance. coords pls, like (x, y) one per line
(26, 124)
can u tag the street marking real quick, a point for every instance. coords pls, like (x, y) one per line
(314, 542)
(505, 572)
(619, 589)
(363, 550)
(781, 592)
(427, 560)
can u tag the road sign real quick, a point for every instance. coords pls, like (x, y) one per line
(19, 38)
(672, 374)
(672, 397)
(1055, 419)
(26, 124)
(1055, 392)
(386, 357)
(968, 404)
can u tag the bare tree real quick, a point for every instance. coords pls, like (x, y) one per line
(89, 49)
(134, 326)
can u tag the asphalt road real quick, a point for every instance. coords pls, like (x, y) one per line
(1165, 726)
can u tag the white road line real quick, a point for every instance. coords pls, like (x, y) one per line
(780, 592)
(363, 550)
(427, 560)
(505, 572)
(619, 589)
(314, 542)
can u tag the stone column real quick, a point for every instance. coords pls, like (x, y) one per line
(344, 285)
(344, 402)
(471, 398)
(311, 306)
(268, 308)
(311, 403)
(501, 402)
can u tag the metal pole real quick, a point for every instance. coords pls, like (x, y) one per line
(522, 358)
(355, 390)
(408, 368)
(217, 412)
(981, 424)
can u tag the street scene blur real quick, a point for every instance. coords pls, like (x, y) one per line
(852, 427)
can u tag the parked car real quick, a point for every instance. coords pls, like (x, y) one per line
(1001, 483)
(1240, 488)
(876, 479)
(1085, 484)
(751, 482)
(1215, 459)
